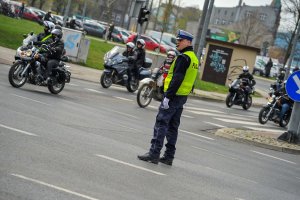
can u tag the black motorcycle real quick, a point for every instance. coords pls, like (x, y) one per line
(271, 111)
(116, 71)
(151, 88)
(27, 68)
(236, 94)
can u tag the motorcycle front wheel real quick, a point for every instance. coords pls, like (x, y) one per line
(14, 75)
(105, 80)
(144, 95)
(262, 116)
(247, 105)
(229, 101)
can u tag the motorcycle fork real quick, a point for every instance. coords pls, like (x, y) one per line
(25, 70)
(234, 96)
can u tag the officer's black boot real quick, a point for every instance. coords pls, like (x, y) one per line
(166, 160)
(148, 158)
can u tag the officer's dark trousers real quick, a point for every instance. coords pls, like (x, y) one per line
(166, 125)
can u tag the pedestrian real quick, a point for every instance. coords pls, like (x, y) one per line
(21, 12)
(110, 30)
(178, 84)
(268, 67)
(48, 17)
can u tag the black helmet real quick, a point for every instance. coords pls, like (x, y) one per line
(56, 34)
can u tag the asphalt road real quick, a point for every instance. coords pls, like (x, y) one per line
(83, 143)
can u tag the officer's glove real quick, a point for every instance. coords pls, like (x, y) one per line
(165, 104)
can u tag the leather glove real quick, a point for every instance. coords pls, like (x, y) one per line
(165, 103)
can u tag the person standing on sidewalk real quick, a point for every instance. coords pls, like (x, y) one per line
(178, 85)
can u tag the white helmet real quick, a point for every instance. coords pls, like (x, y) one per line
(142, 42)
(49, 25)
(245, 68)
(130, 45)
(171, 54)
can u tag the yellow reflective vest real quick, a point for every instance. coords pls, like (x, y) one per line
(189, 78)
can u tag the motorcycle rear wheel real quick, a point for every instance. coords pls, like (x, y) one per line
(285, 121)
(262, 116)
(229, 102)
(132, 85)
(248, 104)
(54, 86)
(14, 75)
(105, 80)
(144, 96)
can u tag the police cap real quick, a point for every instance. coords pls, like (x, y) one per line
(181, 34)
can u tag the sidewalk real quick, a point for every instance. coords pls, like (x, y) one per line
(260, 138)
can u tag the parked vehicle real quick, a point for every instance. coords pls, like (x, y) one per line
(150, 43)
(168, 38)
(58, 19)
(236, 95)
(151, 88)
(116, 71)
(271, 111)
(28, 69)
(94, 29)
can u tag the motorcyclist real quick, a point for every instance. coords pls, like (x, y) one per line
(45, 37)
(247, 81)
(132, 56)
(53, 55)
(140, 57)
(167, 63)
(48, 17)
(285, 102)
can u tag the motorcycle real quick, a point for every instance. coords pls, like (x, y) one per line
(236, 94)
(271, 111)
(116, 71)
(151, 88)
(27, 69)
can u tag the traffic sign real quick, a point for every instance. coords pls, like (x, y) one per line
(293, 86)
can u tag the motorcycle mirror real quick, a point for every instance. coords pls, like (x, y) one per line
(24, 35)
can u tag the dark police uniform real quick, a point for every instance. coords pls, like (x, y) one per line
(178, 84)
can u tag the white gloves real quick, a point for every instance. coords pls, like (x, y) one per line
(165, 103)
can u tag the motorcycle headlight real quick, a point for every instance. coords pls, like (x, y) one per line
(108, 62)
(270, 99)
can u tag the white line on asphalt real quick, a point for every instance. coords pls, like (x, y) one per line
(187, 116)
(17, 130)
(92, 90)
(217, 125)
(73, 84)
(55, 187)
(124, 114)
(239, 199)
(130, 165)
(122, 98)
(219, 154)
(154, 107)
(213, 114)
(195, 134)
(297, 178)
(274, 157)
(265, 129)
(238, 121)
(203, 109)
(31, 99)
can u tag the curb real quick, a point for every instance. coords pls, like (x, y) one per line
(254, 141)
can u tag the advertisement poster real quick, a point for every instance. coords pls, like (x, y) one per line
(217, 64)
(225, 35)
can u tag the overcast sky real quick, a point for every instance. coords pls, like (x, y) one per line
(225, 3)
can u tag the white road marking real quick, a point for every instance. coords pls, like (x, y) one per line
(264, 129)
(297, 178)
(17, 130)
(187, 116)
(219, 154)
(125, 114)
(217, 125)
(73, 84)
(274, 157)
(238, 121)
(31, 99)
(195, 134)
(125, 99)
(154, 107)
(55, 187)
(203, 109)
(213, 114)
(130, 165)
(239, 199)
(92, 90)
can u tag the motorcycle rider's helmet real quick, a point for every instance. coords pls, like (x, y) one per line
(142, 42)
(56, 34)
(171, 56)
(130, 45)
(48, 26)
(245, 69)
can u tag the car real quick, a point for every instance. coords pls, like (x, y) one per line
(37, 11)
(28, 12)
(168, 38)
(165, 45)
(125, 34)
(94, 29)
(58, 19)
(150, 43)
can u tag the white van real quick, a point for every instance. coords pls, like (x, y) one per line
(168, 38)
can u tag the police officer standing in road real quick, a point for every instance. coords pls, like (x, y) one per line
(178, 85)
